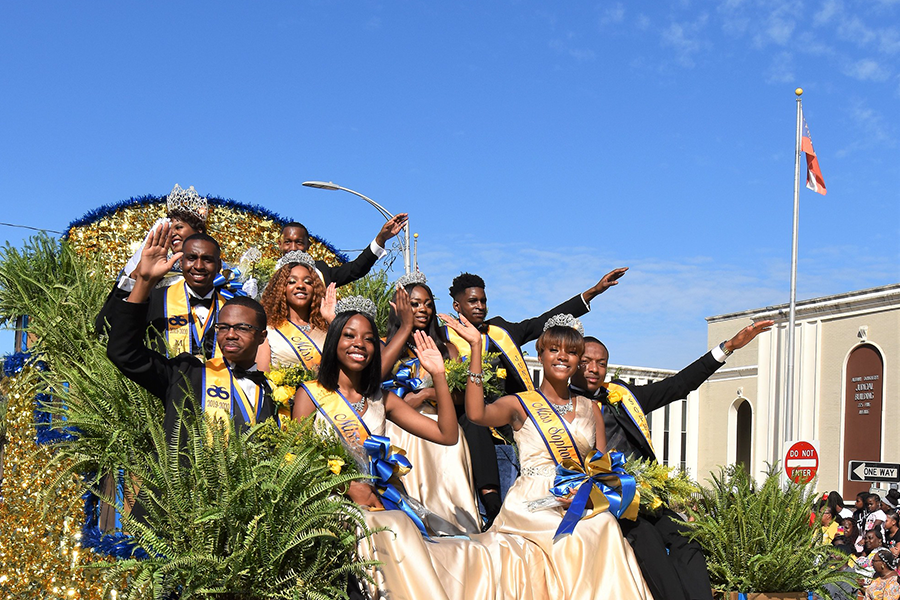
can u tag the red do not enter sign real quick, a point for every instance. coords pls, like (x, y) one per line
(801, 462)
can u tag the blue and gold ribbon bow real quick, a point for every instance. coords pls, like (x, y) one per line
(229, 287)
(602, 480)
(406, 379)
(387, 465)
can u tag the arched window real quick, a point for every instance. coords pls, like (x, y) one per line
(744, 435)
(863, 385)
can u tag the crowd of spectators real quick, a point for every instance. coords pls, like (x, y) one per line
(869, 536)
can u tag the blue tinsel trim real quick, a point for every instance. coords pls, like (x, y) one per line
(107, 209)
(44, 432)
(115, 544)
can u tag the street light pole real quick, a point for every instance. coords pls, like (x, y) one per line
(328, 185)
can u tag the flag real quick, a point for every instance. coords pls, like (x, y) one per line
(814, 179)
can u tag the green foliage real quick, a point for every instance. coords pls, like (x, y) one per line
(61, 292)
(377, 287)
(241, 516)
(458, 372)
(758, 538)
(245, 516)
(659, 485)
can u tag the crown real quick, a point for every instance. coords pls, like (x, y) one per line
(296, 257)
(355, 304)
(187, 200)
(413, 278)
(564, 320)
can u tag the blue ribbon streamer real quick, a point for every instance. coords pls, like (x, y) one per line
(568, 479)
(384, 467)
(229, 288)
(405, 379)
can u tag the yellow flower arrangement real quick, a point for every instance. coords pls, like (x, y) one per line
(285, 381)
(501, 373)
(282, 394)
(659, 485)
(335, 464)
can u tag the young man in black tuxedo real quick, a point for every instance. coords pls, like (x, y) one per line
(182, 315)
(294, 236)
(500, 335)
(673, 566)
(226, 386)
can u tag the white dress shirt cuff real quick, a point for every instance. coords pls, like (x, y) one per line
(718, 354)
(587, 304)
(377, 250)
(125, 283)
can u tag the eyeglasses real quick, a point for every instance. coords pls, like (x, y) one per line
(239, 327)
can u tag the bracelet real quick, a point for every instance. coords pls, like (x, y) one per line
(476, 378)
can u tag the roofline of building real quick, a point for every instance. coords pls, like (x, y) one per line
(877, 296)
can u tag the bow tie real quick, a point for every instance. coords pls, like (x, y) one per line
(205, 302)
(601, 395)
(257, 377)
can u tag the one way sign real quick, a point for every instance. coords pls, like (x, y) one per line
(864, 470)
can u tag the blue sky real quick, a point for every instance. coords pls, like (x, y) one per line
(537, 144)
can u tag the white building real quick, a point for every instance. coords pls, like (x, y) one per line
(846, 393)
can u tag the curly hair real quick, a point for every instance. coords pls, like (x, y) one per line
(274, 299)
(464, 281)
(193, 220)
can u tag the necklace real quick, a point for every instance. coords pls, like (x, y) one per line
(359, 406)
(304, 328)
(563, 409)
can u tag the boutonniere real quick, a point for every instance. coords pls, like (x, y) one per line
(613, 397)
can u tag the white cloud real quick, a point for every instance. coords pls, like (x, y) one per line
(684, 38)
(565, 47)
(866, 69)
(613, 14)
(781, 70)
(829, 11)
(854, 30)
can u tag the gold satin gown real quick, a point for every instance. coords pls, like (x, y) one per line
(517, 559)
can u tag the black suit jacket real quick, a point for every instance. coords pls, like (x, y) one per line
(530, 330)
(169, 379)
(656, 395)
(155, 323)
(349, 271)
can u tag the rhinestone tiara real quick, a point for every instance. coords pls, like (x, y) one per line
(564, 320)
(296, 257)
(188, 200)
(413, 278)
(355, 304)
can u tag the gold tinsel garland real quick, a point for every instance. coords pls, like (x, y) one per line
(40, 553)
(119, 234)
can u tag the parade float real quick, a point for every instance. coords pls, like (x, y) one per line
(255, 516)
(251, 516)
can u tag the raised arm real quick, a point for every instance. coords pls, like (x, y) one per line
(531, 329)
(678, 386)
(395, 346)
(154, 263)
(362, 264)
(445, 430)
(504, 411)
(128, 321)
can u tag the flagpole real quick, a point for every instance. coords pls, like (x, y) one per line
(789, 372)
